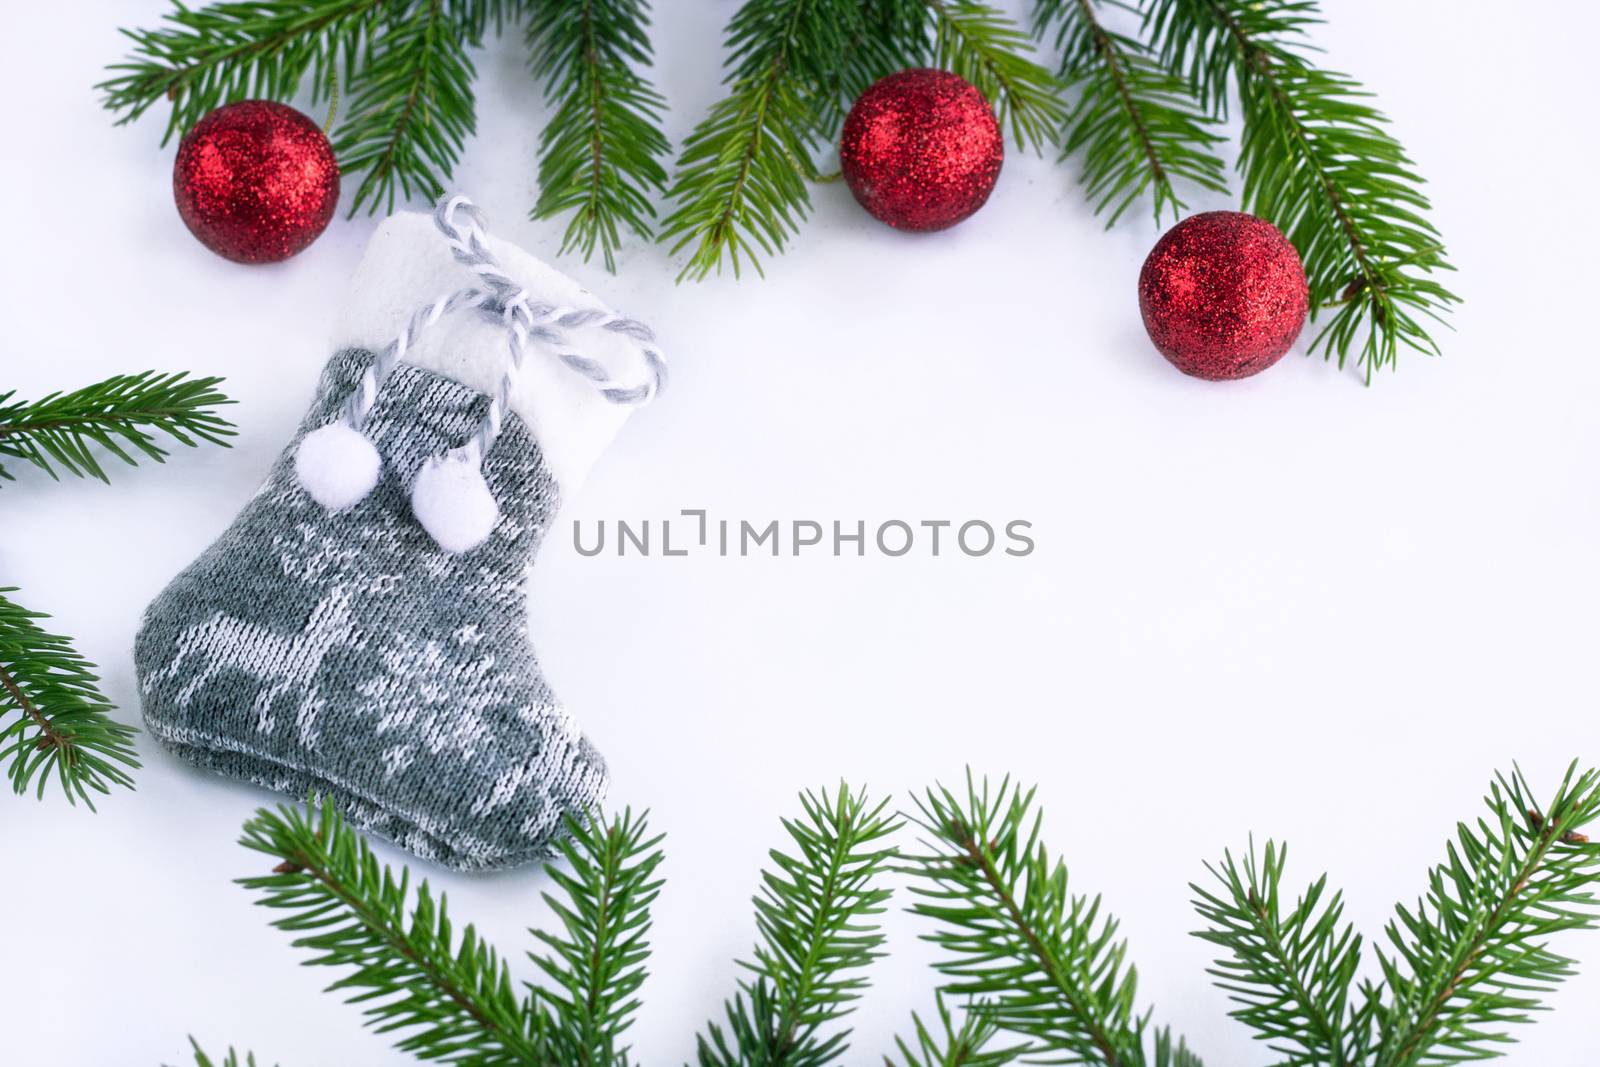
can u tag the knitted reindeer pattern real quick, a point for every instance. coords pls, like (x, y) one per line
(345, 653)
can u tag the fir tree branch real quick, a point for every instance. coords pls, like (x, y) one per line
(62, 429)
(966, 1045)
(814, 914)
(478, 17)
(986, 48)
(62, 722)
(1047, 967)
(741, 188)
(230, 1060)
(742, 175)
(600, 152)
(1136, 123)
(1291, 973)
(599, 963)
(454, 995)
(1047, 964)
(410, 107)
(890, 35)
(228, 51)
(1320, 163)
(1172, 1052)
(1473, 957)
(404, 62)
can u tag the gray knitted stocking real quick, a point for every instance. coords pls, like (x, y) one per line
(345, 653)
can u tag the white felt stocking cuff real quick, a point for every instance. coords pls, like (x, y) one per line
(438, 293)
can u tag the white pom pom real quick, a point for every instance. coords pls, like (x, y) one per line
(337, 465)
(453, 504)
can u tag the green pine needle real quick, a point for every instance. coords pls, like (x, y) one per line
(450, 995)
(205, 57)
(1046, 965)
(741, 189)
(409, 104)
(53, 718)
(230, 1060)
(1319, 162)
(1316, 158)
(1032, 961)
(600, 154)
(1465, 963)
(1291, 971)
(741, 183)
(982, 45)
(410, 107)
(966, 1045)
(598, 963)
(62, 431)
(1136, 124)
(815, 913)
(888, 36)
(1472, 957)
(1171, 1052)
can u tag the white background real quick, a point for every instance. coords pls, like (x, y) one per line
(1291, 606)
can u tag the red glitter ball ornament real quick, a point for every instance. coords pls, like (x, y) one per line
(921, 149)
(255, 181)
(1223, 295)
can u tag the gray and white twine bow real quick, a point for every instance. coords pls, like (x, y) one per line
(338, 465)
